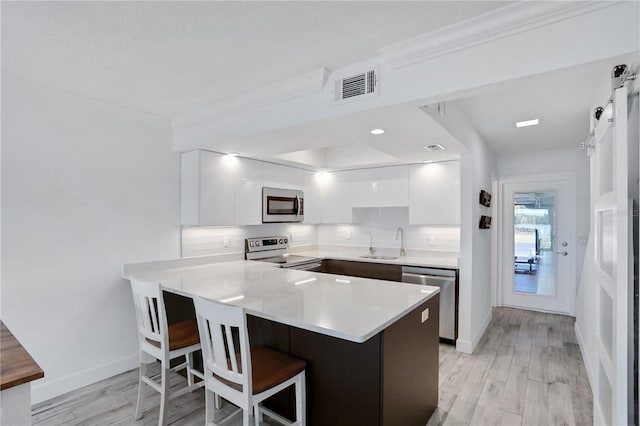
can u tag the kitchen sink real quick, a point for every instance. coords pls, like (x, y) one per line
(374, 256)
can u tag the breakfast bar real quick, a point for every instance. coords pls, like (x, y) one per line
(371, 345)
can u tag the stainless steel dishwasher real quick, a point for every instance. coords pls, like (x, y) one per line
(446, 280)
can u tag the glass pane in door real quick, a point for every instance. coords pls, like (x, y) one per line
(534, 243)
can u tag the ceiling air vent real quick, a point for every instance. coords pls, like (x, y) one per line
(436, 147)
(357, 86)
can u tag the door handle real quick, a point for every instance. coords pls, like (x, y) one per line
(564, 253)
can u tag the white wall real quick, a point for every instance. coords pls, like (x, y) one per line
(478, 170)
(86, 187)
(557, 161)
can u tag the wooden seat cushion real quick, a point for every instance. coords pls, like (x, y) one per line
(181, 335)
(269, 368)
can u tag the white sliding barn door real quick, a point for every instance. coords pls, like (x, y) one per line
(611, 218)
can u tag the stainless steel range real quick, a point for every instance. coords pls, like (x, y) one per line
(274, 250)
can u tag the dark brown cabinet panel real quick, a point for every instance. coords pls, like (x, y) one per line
(389, 380)
(379, 271)
(343, 378)
(410, 374)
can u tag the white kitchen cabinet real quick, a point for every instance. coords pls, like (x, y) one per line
(277, 176)
(381, 187)
(364, 187)
(248, 191)
(336, 197)
(218, 189)
(434, 193)
(311, 186)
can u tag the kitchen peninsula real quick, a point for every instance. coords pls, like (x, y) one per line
(371, 345)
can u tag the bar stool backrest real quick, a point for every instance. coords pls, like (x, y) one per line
(150, 312)
(225, 343)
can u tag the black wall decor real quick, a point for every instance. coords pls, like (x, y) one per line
(485, 198)
(485, 222)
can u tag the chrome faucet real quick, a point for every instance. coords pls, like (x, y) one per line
(372, 249)
(400, 232)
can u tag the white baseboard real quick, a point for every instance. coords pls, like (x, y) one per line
(467, 346)
(588, 363)
(49, 389)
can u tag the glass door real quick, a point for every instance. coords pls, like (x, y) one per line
(534, 245)
(538, 269)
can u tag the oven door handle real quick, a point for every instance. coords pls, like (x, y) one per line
(305, 267)
(297, 205)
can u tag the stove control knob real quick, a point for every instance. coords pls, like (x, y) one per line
(286, 241)
(281, 241)
(252, 244)
(257, 243)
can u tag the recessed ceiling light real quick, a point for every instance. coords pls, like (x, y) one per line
(435, 147)
(377, 131)
(428, 161)
(233, 154)
(526, 123)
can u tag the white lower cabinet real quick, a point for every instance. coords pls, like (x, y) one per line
(336, 198)
(434, 193)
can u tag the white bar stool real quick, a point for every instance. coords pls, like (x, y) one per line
(164, 343)
(248, 376)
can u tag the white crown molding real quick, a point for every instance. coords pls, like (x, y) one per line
(496, 24)
(299, 85)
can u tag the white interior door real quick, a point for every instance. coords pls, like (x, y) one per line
(538, 243)
(609, 192)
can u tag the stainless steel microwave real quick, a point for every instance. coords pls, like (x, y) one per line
(282, 205)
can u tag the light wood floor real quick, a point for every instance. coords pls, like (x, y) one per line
(527, 370)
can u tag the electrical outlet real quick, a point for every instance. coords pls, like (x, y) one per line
(348, 235)
(425, 315)
(583, 239)
(225, 241)
(290, 237)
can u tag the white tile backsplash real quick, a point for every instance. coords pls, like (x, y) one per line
(382, 222)
(209, 240)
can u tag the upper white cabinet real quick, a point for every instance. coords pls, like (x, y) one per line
(337, 194)
(248, 189)
(434, 193)
(219, 189)
(381, 187)
(311, 186)
(277, 176)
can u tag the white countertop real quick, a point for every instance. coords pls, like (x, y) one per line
(349, 308)
(413, 257)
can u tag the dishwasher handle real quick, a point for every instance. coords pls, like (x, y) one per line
(423, 276)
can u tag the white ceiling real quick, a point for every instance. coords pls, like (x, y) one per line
(561, 99)
(345, 142)
(168, 57)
